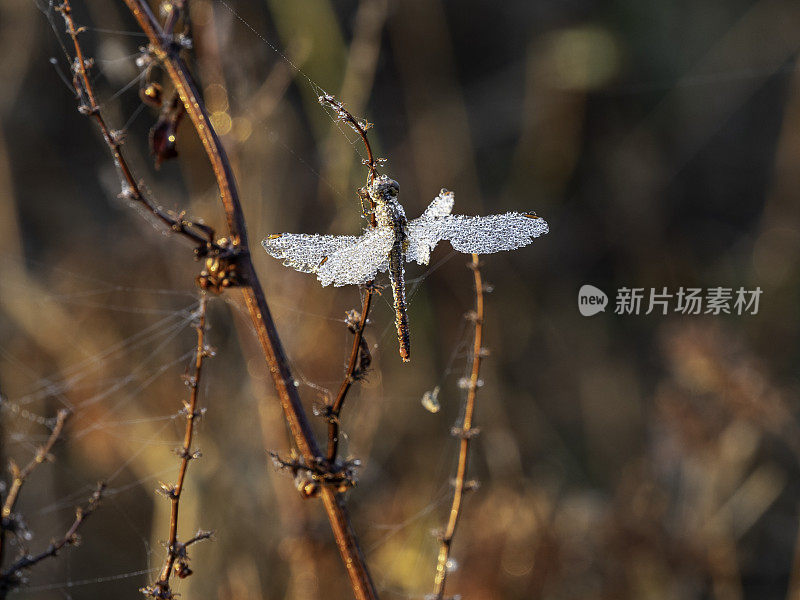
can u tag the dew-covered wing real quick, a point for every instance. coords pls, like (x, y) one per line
(305, 252)
(441, 206)
(478, 235)
(360, 261)
(422, 232)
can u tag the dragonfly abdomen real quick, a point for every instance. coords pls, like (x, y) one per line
(397, 277)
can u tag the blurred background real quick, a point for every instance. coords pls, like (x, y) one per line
(621, 456)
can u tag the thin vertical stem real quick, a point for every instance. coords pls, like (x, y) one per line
(174, 548)
(466, 433)
(346, 116)
(349, 377)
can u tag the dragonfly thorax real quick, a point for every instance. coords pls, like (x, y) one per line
(388, 212)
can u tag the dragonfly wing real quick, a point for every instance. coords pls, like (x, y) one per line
(305, 252)
(360, 261)
(424, 233)
(473, 235)
(441, 206)
(493, 233)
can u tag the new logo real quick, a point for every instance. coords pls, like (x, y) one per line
(591, 300)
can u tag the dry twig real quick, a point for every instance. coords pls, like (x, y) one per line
(356, 365)
(199, 234)
(308, 477)
(345, 116)
(360, 127)
(177, 556)
(11, 577)
(359, 355)
(465, 432)
(19, 476)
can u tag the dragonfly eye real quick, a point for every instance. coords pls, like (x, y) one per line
(386, 187)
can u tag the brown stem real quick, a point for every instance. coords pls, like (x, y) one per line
(349, 377)
(346, 541)
(300, 427)
(20, 476)
(176, 550)
(9, 578)
(345, 115)
(163, 48)
(336, 408)
(466, 433)
(198, 234)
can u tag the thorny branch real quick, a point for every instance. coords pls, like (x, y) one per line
(19, 476)
(237, 265)
(465, 432)
(11, 577)
(356, 367)
(166, 50)
(201, 235)
(177, 556)
(342, 114)
(361, 127)
(308, 477)
(359, 356)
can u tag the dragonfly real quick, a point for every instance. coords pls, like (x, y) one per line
(391, 240)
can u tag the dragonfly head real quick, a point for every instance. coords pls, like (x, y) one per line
(385, 187)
